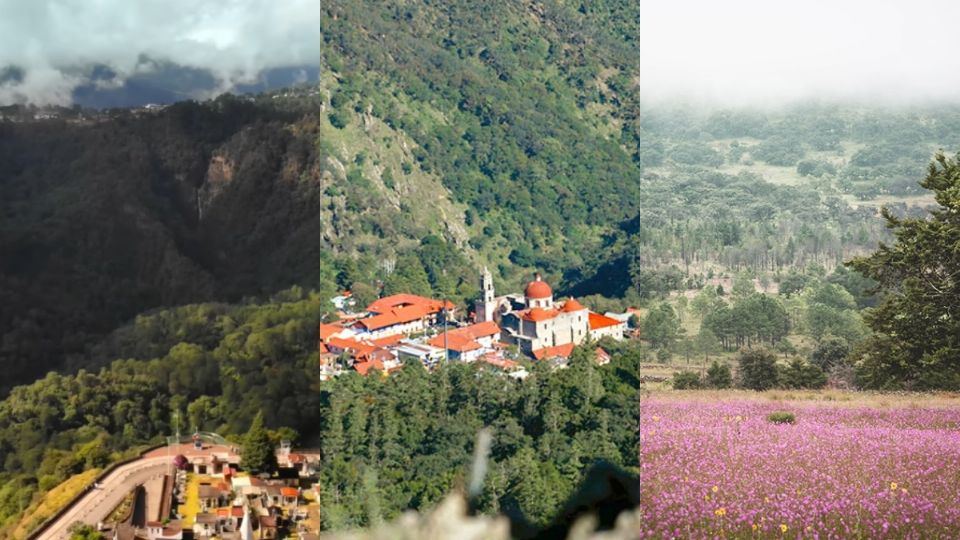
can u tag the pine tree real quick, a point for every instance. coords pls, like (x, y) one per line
(916, 340)
(258, 453)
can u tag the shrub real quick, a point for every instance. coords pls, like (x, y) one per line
(758, 369)
(800, 374)
(831, 351)
(781, 417)
(687, 380)
(338, 119)
(718, 375)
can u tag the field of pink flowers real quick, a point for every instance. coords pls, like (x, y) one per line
(720, 469)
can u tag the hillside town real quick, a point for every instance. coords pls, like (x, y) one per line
(501, 331)
(204, 493)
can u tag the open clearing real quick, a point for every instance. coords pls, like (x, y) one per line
(851, 466)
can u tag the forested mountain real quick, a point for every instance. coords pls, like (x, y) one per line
(106, 218)
(218, 365)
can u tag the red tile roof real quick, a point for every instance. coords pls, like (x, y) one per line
(537, 314)
(329, 330)
(235, 511)
(400, 315)
(364, 367)
(379, 354)
(560, 351)
(571, 305)
(387, 303)
(598, 321)
(351, 345)
(464, 339)
(387, 341)
(538, 289)
(289, 492)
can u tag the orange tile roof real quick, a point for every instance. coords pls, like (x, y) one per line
(400, 315)
(403, 299)
(598, 321)
(379, 354)
(289, 492)
(455, 342)
(538, 289)
(464, 339)
(387, 341)
(364, 367)
(351, 345)
(571, 305)
(537, 314)
(560, 351)
(235, 511)
(329, 330)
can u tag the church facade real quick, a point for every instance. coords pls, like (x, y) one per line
(537, 324)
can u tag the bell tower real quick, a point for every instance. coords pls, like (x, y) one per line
(486, 305)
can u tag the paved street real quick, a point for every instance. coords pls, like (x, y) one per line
(96, 504)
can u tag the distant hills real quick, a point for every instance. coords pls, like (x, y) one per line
(164, 83)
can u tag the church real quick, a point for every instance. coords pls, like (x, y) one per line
(537, 324)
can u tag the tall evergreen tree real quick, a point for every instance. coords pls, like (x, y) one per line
(916, 340)
(258, 453)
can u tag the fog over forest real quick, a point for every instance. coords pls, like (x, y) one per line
(752, 52)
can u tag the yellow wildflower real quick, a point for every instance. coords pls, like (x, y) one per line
(755, 526)
(715, 489)
(739, 418)
(893, 486)
(720, 512)
(766, 500)
(783, 527)
(706, 497)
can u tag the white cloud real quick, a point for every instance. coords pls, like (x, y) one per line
(54, 40)
(746, 52)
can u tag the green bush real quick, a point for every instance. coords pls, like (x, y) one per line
(758, 369)
(687, 380)
(781, 417)
(718, 376)
(801, 374)
(339, 119)
(831, 351)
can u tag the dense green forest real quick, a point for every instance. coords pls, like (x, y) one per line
(218, 365)
(441, 138)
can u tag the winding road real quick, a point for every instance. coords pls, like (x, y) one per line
(97, 503)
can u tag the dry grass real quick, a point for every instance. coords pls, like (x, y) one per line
(53, 500)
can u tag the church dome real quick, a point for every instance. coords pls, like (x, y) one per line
(571, 305)
(538, 289)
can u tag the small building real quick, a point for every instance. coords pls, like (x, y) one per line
(212, 497)
(290, 496)
(205, 524)
(602, 326)
(428, 355)
(159, 531)
(467, 344)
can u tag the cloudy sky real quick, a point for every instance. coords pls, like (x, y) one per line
(743, 52)
(52, 43)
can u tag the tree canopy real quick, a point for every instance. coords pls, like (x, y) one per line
(916, 340)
